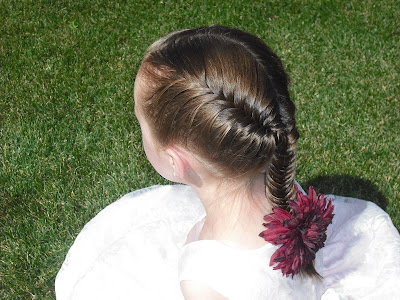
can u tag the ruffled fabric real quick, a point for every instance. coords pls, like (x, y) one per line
(142, 245)
(131, 249)
(362, 252)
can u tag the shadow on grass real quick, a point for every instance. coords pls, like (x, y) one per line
(349, 186)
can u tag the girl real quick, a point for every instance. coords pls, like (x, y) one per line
(216, 116)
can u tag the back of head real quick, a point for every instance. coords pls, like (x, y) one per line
(223, 94)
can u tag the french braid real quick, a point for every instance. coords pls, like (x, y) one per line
(224, 94)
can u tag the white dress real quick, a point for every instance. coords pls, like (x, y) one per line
(142, 245)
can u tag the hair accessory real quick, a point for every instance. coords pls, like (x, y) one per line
(301, 233)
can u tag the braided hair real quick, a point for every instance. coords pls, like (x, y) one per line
(223, 93)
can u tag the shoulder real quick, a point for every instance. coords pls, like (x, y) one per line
(363, 249)
(149, 227)
(212, 266)
(193, 290)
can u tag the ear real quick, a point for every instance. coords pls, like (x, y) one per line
(178, 162)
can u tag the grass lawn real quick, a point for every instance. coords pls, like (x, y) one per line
(70, 144)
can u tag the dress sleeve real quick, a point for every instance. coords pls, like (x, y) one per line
(130, 246)
(362, 254)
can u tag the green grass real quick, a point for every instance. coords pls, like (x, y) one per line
(70, 144)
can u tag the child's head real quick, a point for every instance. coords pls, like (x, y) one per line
(223, 94)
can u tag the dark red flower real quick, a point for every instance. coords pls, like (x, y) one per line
(301, 233)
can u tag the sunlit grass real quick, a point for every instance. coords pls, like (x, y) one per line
(70, 144)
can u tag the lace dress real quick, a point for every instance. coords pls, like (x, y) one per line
(143, 245)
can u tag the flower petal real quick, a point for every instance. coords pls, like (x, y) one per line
(301, 233)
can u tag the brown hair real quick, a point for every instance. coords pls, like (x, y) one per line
(223, 93)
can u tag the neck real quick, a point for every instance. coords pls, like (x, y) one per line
(235, 211)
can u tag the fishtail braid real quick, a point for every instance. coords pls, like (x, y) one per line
(224, 94)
